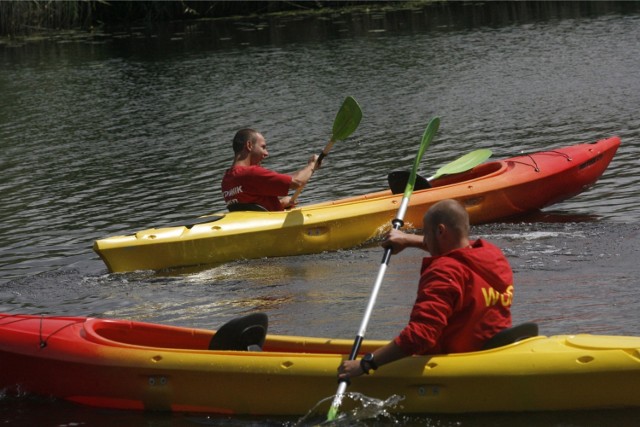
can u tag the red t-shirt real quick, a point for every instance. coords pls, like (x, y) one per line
(255, 184)
(464, 298)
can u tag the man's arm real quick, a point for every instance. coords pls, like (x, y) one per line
(398, 240)
(301, 177)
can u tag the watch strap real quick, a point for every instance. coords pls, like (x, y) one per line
(367, 363)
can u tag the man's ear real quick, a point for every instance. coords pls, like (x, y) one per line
(248, 146)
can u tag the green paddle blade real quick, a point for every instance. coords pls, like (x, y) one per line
(347, 119)
(464, 163)
(333, 413)
(428, 135)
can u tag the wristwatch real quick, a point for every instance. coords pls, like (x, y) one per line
(367, 363)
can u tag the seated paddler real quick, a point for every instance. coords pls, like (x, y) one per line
(246, 182)
(464, 292)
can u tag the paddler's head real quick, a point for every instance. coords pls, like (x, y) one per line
(250, 144)
(446, 227)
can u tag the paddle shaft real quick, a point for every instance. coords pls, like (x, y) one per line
(396, 224)
(357, 343)
(386, 256)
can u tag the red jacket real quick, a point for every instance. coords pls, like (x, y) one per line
(464, 298)
(255, 184)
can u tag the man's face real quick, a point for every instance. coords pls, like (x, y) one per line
(258, 150)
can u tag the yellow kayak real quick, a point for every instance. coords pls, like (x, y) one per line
(490, 192)
(133, 365)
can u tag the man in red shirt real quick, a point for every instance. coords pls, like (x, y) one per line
(464, 295)
(248, 182)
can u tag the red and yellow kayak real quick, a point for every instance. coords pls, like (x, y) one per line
(134, 365)
(490, 192)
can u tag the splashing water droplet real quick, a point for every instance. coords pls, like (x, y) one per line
(355, 407)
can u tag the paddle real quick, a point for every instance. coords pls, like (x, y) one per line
(346, 121)
(398, 179)
(429, 132)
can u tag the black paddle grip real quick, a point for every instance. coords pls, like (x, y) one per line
(319, 161)
(356, 347)
(397, 223)
(357, 343)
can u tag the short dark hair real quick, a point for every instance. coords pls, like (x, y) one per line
(241, 138)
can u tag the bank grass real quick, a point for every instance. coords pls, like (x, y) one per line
(27, 17)
(22, 17)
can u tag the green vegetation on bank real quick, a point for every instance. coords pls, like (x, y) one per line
(26, 17)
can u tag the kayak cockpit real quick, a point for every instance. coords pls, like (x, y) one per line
(117, 333)
(245, 333)
(240, 331)
(482, 171)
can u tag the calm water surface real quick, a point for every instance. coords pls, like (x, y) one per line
(124, 130)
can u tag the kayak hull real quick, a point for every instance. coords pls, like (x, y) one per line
(489, 192)
(134, 365)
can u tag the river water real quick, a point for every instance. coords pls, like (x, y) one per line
(124, 129)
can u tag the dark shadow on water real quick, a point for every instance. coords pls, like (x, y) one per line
(28, 411)
(552, 217)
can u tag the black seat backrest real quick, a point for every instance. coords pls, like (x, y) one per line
(511, 335)
(235, 207)
(241, 334)
(398, 182)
